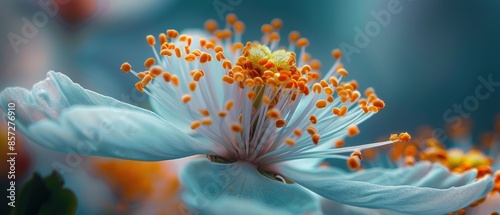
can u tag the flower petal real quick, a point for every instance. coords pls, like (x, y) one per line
(48, 98)
(206, 182)
(118, 133)
(405, 197)
(240, 207)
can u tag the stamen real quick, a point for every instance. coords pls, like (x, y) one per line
(126, 67)
(353, 130)
(151, 40)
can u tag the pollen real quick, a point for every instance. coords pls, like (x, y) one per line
(126, 67)
(206, 121)
(353, 163)
(237, 128)
(280, 123)
(313, 119)
(251, 95)
(311, 130)
(274, 113)
(172, 33)
(151, 40)
(149, 62)
(302, 42)
(297, 132)
(229, 105)
(352, 130)
(342, 72)
(290, 141)
(175, 80)
(204, 112)
(210, 25)
(336, 53)
(186, 98)
(404, 137)
(195, 125)
(192, 86)
(315, 138)
(321, 104)
(293, 36)
(339, 143)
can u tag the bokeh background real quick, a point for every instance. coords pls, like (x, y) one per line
(424, 61)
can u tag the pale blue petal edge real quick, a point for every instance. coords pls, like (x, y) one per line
(400, 197)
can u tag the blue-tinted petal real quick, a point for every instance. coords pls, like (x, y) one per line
(231, 206)
(401, 198)
(118, 133)
(206, 182)
(334, 208)
(48, 98)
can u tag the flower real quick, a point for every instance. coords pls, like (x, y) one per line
(261, 114)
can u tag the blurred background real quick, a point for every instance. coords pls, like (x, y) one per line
(424, 62)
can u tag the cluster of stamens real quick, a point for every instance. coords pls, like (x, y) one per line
(267, 83)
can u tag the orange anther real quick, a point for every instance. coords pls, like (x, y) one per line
(165, 52)
(277, 23)
(280, 123)
(220, 56)
(210, 25)
(239, 27)
(373, 109)
(342, 71)
(236, 128)
(206, 121)
(352, 130)
(149, 62)
(315, 138)
(262, 61)
(175, 80)
(311, 130)
(250, 83)
(266, 100)
(269, 65)
(357, 154)
(274, 36)
(226, 64)
(204, 112)
(273, 113)
(297, 132)
(329, 99)
(353, 163)
(221, 34)
(333, 80)
(317, 88)
(139, 87)
(229, 105)
(336, 53)
(355, 96)
(186, 98)
(163, 38)
(227, 79)
(155, 71)
(404, 137)
(313, 119)
(177, 52)
(222, 113)
(302, 42)
(378, 103)
(145, 81)
(218, 49)
(231, 18)
(192, 86)
(195, 125)
(266, 28)
(167, 77)
(369, 91)
(204, 57)
(187, 49)
(151, 40)
(293, 36)
(339, 143)
(394, 137)
(172, 33)
(321, 104)
(126, 67)
(315, 64)
(328, 91)
(190, 58)
(290, 141)
(251, 95)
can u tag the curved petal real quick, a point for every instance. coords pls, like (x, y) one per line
(240, 207)
(118, 133)
(206, 182)
(334, 208)
(401, 198)
(48, 98)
